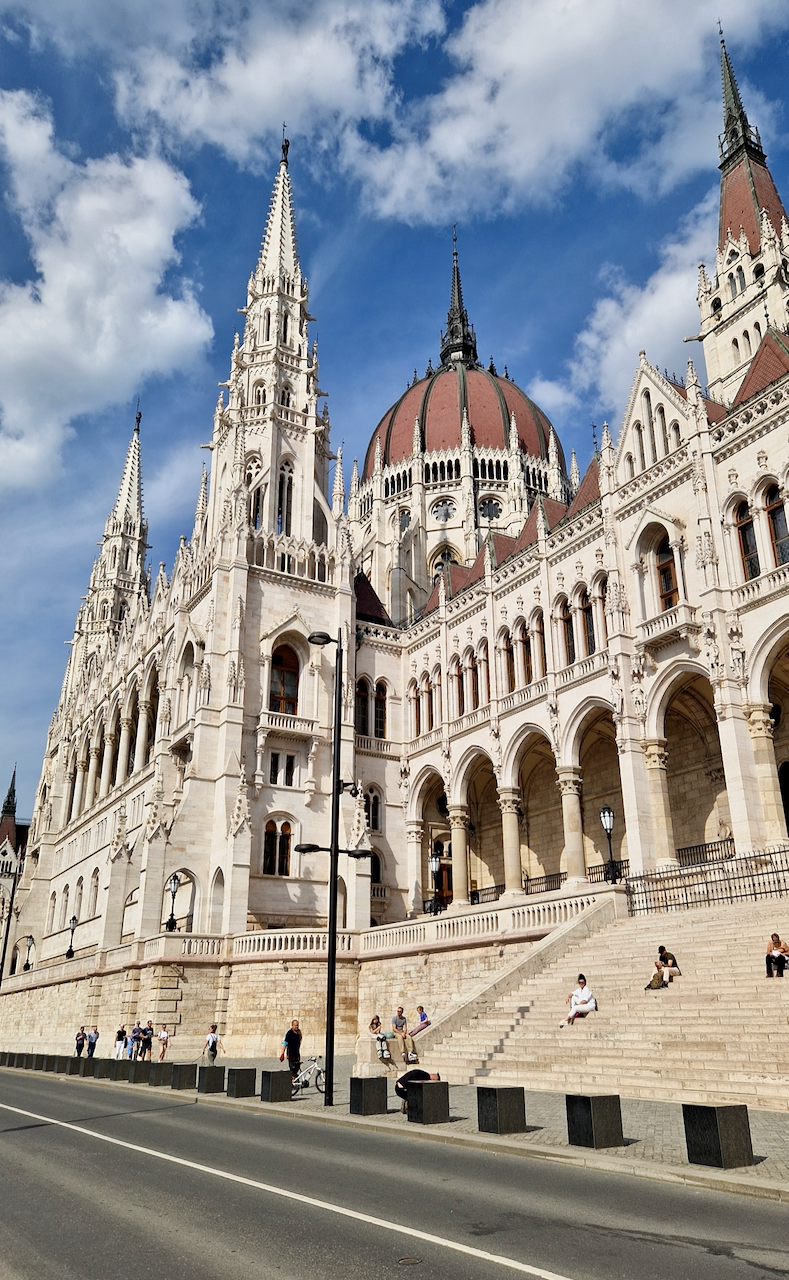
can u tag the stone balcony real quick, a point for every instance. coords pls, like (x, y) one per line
(669, 627)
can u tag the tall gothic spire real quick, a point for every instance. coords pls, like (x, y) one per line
(9, 804)
(459, 342)
(129, 503)
(738, 135)
(279, 254)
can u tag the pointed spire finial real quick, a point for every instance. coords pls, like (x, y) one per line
(9, 804)
(738, 135)
(575, 475)
(138, 418)
(459, 341)
(129, 500)
(338, 492)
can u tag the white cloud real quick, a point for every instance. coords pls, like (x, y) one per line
(654, 317)
(96, 321)
(538, 89)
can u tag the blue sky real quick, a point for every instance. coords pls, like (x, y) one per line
(574, 142)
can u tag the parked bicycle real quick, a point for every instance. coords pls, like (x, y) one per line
(302, 1080)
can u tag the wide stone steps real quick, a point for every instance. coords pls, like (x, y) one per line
(719, 1031)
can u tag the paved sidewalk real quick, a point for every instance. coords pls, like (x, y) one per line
(654, 1132)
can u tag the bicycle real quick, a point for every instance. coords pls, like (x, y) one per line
(302, 1080)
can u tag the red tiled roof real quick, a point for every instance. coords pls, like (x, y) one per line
(368, 606)
(588, 489)
(745, 190)
(770, 363)
(715, 412)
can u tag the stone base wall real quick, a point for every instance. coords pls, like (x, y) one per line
(253, 1002)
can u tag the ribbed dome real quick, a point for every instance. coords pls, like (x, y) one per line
(438, 402)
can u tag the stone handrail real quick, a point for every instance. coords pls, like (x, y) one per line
(174, 946)
(305, 944)
(598, 911)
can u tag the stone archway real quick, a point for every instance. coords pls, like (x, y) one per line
(695, 779)
(599, 764)
(542, 827)
(485, 842)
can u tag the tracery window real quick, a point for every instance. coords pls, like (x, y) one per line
(362, 708)
(566, 619)
(667, 576)
(779, 534)
(379, 724)
(276, 849)
(588, 617)
(284, 694)
(748, 549)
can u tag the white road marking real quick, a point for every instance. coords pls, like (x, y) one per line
(326, 1205)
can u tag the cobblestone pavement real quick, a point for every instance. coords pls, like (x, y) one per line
(653, 1131)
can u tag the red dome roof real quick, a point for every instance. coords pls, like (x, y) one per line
(438, 402)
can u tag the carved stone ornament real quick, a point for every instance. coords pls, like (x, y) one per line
(553, 714)
(241, 816)
(404, 782)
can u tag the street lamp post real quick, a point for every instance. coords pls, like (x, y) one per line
(607, 819)
(30, 940)
(173, 885)
(72, 924)
(434, 866)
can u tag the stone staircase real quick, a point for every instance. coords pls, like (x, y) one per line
(717, 1034)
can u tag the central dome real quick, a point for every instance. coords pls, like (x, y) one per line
(439, 400)
(459, 386)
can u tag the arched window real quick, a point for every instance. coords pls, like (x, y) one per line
(474, 674)
(379, 721)
(285, 319)
(640, 445)
(217, 903)
(260, 395)
(417, 711)
(267, 327)
(539, 635)
(566, 619)
(588, 617)
(776, 514)
(375, 869)
(460, 692)
(750, 555)
(53, 901)
(735, 351)
(285, 499)
(63, 919)
(283, 851)
(757, 328)
(732, 286)
(662, 430)
(509, 662)
(676, 437)
(528, 665)
(93, 895)
(667, 576)
(630, 469)
(362, 708)
(284, 694)
(372, 809)
(740, 279)
(746, 344)
(276, 849)
(78, 898)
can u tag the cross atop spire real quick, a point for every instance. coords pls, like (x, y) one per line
(279, 254)
(738, 135)
(459, 342)
(129, 501)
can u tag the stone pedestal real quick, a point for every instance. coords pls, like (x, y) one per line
(73, 1066)
(368, 1064)
(161, 1075)
(4, 1058)
(18, 1061)
(51, 1062)
(184, 1075)
(275, 1086)
(211, 1080)
(501, 1110)
(428, 1101)
(102, 1068)
(139, 1072)
(61, 1064)
(87, 1066)
(594, 1121)
(368, 1097)
(38, 1062)
(241, 1082)
(718, 1136)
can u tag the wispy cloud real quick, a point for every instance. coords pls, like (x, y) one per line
(96, 320)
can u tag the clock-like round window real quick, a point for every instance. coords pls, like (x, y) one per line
(490, 509)
(444, 510)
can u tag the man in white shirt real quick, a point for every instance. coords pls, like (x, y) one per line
(581, 1002)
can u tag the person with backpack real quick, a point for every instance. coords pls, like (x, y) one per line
(212, 1044)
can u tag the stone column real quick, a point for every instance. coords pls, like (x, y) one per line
(106, 765)
(414, 832)
(90, 790)
(760, 727)
(742, 782)
(656, 758)
(68, 796)
(458, 819)
(79, 789)
(509, 803)
(537, 663)
(141, 742)
(570, 784)
(123, 751)
(520, 662)
(679, 566)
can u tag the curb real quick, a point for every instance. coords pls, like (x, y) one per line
(690, 1176)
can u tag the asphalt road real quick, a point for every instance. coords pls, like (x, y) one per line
(140, 1188)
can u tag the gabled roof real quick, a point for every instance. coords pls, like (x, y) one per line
(715, 412)
(368, 606)
(588, 489)
(770, 363)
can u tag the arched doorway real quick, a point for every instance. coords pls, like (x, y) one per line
(695, 779)
(485, 842)
(542, 829)
(601, 783)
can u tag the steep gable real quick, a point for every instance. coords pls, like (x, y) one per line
(770, 363)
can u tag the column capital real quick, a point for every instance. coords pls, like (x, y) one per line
(95, 752)
(110, 739)
(82, 765)
(414, 830)
(569, 780)
(509, 799)
(126, 723)
(655, 753)
(458, 815)
(760, 723)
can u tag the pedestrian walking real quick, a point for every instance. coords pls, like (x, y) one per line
(80, 1042)
(134, 1041)
(120, 1041)
(212, 1045)
(93, 1040)
(164, 1039)
(292, 1047)
(146, 1041)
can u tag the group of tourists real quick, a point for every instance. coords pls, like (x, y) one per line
(400, 1034)
(136, 1045)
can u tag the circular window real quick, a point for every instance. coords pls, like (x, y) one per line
(444, 510)
(490, 509)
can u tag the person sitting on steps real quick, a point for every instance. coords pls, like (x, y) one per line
(581, 1002)
(380, 1037)
(400, 1028)
(777, 956)
(666, 970)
